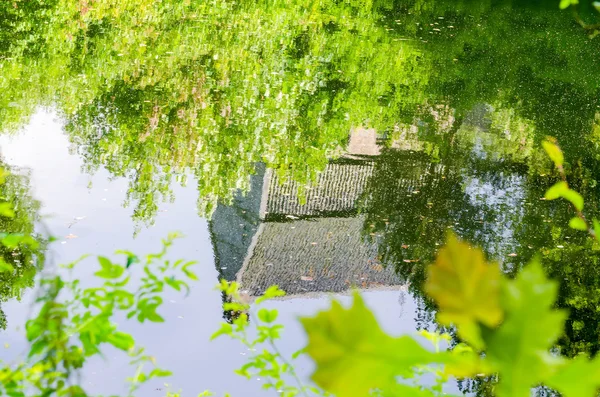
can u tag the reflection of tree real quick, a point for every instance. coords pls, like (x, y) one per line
(413, 202)
(154, 90)
(568, 256)
(532, 64)
(24, 258)
(529, 60)
(213, 90)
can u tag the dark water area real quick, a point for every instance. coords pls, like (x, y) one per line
(317, 146)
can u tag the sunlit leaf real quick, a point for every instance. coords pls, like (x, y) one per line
(551, 148)
(3, 174)
(173, 283)
(6, 210)
(353, 355)
(466, 362)
(272, 292)
(596, 228)
(267, 316)
(159, 373)
(131, 259)
(561, 189)
(5, 266)
(557, 190)
(189, 274)
(154, 317)
(226, 329)
(121, 340)
(577, 223)
(575, 198)
(109, 270)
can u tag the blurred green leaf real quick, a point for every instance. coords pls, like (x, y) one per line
(596, 228)
(173, 283)
(154, 317)
(6, 210)
(551, 148)
(159, 373)
(131, 259)
(519, 349)
(267, 316)
(577, 223)
(272, 292)
(557, 190)
(5, 266)
(121, 340)
(3, 174)
(353, 355)
(109, 270)
(575, 198)
(561, 189)
(577, 377)
(226, 329)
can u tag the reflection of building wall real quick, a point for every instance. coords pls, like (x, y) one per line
(268, 237)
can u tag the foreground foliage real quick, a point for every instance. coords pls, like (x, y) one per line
(508, 327)
(21, 249)
(75, 322)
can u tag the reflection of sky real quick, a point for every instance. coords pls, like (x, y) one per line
(501, 203)
(103, 225)
(499, 196)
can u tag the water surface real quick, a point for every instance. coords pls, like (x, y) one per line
(320, 147)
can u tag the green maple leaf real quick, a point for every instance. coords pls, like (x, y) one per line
(578, 377)
(519, 348)
(354, 356)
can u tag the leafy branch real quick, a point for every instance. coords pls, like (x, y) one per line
(74, 323)
(561, 189)
(266, 362)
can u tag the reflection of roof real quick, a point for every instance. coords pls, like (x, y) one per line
(322, 254)
(337, 189)
(268, 237)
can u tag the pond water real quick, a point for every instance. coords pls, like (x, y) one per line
(320, 147)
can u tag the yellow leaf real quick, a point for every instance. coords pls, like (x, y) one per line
(553, 152)
(466, 289)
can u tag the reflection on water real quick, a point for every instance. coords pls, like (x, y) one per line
(312, 247)
(330, 145)
(25, 259)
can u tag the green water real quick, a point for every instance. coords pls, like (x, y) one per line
(455, 98)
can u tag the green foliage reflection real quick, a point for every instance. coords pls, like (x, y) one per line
(21, 249)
